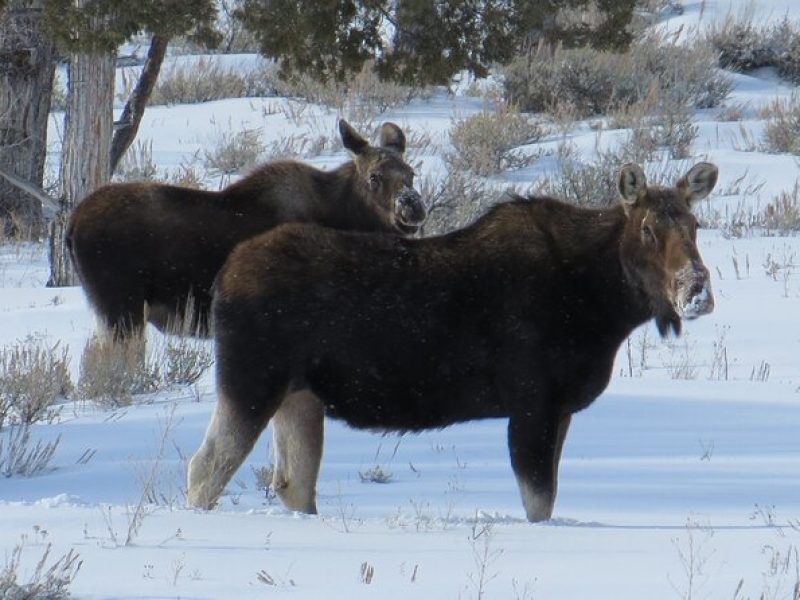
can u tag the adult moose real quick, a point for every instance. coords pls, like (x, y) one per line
(518, 315)
(142, 250)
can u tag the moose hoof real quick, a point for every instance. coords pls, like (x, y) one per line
(538, 505)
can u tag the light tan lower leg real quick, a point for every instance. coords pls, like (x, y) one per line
(227, 443)
(298, 434)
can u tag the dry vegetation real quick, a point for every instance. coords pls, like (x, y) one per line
(137, 163)
(743, 45)
(114, 372)
(111, 372)
(234, 152)
(33, 378)
(485, 143)
(782, 132)
(595, 82)
(47, 582)
(206, 79)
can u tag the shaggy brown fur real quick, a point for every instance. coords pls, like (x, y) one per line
(143, 249)
(519, 315)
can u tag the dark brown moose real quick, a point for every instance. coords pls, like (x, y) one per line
(518, 315)
(142, 250)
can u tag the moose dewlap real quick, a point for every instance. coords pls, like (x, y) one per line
(518, 315)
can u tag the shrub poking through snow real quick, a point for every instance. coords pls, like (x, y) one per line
(375, 474)
(597, 82)
(486, 143)
(112, 372)
(186, 360)
(207, 79)
(20, 456)
(456, 200)
(234, 152)
(137, 163)
(47, 582)
(33, 376)
(782, 215)
(743, 46)
(782, 132)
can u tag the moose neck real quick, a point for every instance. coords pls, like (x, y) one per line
(579, 249)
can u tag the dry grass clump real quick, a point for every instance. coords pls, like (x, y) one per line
(782, 132)
(455, 201)
(598, 82)
(33, 376)
(186, 359)
(137, 163)
(670, 128)
(782, 215)
(594, 184)
(361, 99)
(187, 175)
(584, 184)
(234, 152)
(485, 143)
(206, 79)
(46, 582)
(20, 456)
(375, 474)
(112, 371)
(743, 45)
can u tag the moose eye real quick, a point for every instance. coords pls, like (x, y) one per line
(648, 235)
(374, 180)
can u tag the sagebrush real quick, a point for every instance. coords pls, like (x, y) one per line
(22, 456)
(743, 45)
(596, 82)
(486, 143)
(206, 79)
(113, 371)
(233, 152)
(782, 130)
(33, 377)
(47, 582)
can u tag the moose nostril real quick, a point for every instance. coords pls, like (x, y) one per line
(696, 290)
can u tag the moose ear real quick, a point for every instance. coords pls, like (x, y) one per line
(350, 138)
(698, 182)
(393, 138)
(632, 184)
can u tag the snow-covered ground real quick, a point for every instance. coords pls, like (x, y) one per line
(670, 487)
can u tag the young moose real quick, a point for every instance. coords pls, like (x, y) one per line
(519, 315)
(142, 250)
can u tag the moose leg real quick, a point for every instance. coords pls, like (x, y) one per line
(298, 433)
(123, 317)
(535, 444)
(231, 435)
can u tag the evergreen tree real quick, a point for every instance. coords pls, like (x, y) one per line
(435, 40)
(543, 21)
(324, 38)
(421, 41)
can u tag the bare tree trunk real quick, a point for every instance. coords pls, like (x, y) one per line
(85, 163)
(27, 67)
(134, 107)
